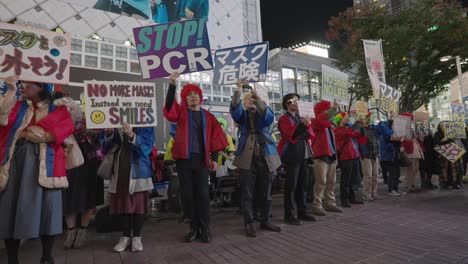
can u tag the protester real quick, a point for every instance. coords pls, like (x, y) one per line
(389, 149)
(325, 159)
(429, 165)
(85, 190)
(32, 132)
(414, 151)
(198, 134)
(256, 157)
(348, 154)
(449, 170)
(131, 180)
(296, 154)
(369, 149)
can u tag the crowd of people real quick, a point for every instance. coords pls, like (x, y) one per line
(46, 131)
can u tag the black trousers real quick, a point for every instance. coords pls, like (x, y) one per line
(350, 181)
(193, 176)
(256, 190)
(295, 188)
(393, 169)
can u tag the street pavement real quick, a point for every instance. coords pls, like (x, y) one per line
(428, 227)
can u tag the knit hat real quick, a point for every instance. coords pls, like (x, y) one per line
(321, 107)
(338, 118)
(187, 89)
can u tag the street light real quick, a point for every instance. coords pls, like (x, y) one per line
(457, 60)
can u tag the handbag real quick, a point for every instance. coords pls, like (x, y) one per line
(106, 168)
(403, 160)
(222, 171)
(74, 156)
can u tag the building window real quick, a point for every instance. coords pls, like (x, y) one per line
(289, 80)
(121, 52)
(216, 90)
(135, 67)
(106, 64)
(91, 47)
(107, 50)
(75, 59)
(121, 65)
(91, 61)
(77, 45)
(133, 54)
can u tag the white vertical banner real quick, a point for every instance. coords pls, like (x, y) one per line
(375, 64)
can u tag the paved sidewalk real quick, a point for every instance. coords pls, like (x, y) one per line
(429, 227)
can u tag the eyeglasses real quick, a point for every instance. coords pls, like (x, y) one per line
(292, 101)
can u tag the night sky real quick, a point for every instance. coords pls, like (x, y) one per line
(296, 21)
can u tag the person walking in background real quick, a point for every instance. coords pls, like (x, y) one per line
(296, 154)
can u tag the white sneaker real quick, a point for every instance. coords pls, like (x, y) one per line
(123, 244)
(137, 245)
(394, 193)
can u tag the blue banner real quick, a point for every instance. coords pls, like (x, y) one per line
(248, 62)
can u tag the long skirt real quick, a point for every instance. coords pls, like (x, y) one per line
(28, 210)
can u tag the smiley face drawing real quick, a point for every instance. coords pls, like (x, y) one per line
(98, 117)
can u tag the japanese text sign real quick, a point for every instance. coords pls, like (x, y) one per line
(389, 98)
(108, 104)
(248, 62)
(454, 129)
(306, 109)
(34, 54)
(451, 151)
(459, 113)
(375, 63)
(334, 85)
(181, 46)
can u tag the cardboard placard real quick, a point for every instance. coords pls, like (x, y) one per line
(362, 107)
(34, 54)
(402, 126)
(306, 109)
(181, 46)
(451, 151)
(248, 62)
(108, 104)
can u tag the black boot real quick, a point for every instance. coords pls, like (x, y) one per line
(192, 235)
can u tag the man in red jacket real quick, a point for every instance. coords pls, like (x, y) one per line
(297, 155)
(324, 149)
(198, 134)
(348, 153)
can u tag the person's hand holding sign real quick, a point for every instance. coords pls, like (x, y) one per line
(128, 131)
(173, 78)
(11, 82)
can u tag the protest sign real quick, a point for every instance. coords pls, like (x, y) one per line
(110, 103)
(402, 126)
(389, 98)
(181, 46)
(458, 116)
(262, 92)
(248, 62)
(454, 129)
(375, 64)
(306, 109)
(451, 151)
(334, 85)
(422, 123)
(34, 54)
(361, 107)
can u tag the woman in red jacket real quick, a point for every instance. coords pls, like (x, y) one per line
(348, 154)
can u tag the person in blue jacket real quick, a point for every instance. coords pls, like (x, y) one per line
(193, 9)
(131, 181)
(389, 147)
